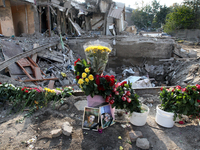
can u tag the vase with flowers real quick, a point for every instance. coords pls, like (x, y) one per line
(176, 102)
(97, 55)
(124, 97)
(89, 74)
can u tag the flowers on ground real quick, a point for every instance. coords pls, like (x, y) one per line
(182, 101)
(31, 97)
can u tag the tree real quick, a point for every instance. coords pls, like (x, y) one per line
(160, 17)
(195, 6)
(181, 18)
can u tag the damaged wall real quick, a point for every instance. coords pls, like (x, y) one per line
(6, 20)
(130, 50)
(23, 18)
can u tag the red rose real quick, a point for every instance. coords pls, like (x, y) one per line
(198, 86)
(112, 102)
(122, 84)
(128, 93)
(173, 90)
(107, 99)
(0, 83)
(107, 78)
(161, 88)
(77, 61)
(112, 76)
(97, 81)
(181, 122)
(22, 89)
(198, 101)
(77, 77)
(26, 91)
(178, 87)
(101, 88)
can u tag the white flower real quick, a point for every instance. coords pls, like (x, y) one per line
(33, 140)
(30, 147)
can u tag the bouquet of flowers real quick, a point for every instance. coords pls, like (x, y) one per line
(124, 97)
(92, 83)
(97, 55)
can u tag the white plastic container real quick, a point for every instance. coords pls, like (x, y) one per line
(140, 119)
(164, 118)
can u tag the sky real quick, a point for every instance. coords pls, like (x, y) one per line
(132, 3)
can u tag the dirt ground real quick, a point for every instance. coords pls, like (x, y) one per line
(14, 131)
(191, 47)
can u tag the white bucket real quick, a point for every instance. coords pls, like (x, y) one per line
(164, 118)
(139, 119)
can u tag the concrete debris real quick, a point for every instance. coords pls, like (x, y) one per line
(56, 133)
(67, 129)
(142, 143)
(134, 135)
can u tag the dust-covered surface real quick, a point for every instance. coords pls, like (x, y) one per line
(15, 132)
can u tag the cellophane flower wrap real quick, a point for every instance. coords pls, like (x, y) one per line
(97, 55)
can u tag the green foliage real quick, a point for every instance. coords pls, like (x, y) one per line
(143, 17)
(129, 105)
(181, 101)
(33, 98)
(182, 17)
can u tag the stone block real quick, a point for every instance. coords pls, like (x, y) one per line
(56, 133)
(67, 129)
(142, 143)
(134, 135)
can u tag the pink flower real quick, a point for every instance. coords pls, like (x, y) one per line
(116, 93)
(128, 100)
(124, 98)
(198, 86)
(184, 90)
(178, 87)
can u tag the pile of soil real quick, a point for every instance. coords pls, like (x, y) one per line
(15, 131)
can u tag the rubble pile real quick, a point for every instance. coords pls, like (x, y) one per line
(55, 61)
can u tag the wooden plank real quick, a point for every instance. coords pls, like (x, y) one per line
(32, 80)
(37, 73)
(51, 84)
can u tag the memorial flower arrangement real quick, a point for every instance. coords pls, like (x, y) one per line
(90, 82)
(124, 97)
(181, 101)
(21, 97)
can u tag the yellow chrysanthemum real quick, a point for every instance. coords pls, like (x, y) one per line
(80, 81)
(91, 77)
(87, 70)
(87, 80)
(84, 75)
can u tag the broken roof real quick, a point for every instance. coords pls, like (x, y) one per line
(116, 10)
